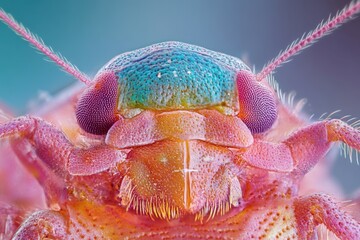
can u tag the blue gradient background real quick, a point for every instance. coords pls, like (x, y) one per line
(89, 33)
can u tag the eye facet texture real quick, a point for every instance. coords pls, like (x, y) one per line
(96, 108)
(257, 104)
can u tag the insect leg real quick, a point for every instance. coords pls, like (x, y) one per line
(43, 225)
(49, 143)
(10, 219)
(49, 155)
(83, 162)
(340, 131)
(43, 150)
(310, 144)
(318, 209)
(269, 156)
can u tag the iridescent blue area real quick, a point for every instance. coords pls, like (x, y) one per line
(174, 75)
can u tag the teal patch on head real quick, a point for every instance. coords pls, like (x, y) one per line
(174, 75)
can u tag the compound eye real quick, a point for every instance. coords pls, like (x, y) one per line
(96, 108)
(257, 103)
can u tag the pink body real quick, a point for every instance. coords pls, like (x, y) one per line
(183, 174)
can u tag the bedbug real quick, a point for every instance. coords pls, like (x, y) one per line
(108, 197)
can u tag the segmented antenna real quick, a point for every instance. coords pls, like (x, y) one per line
(40, 45)
(307, 40)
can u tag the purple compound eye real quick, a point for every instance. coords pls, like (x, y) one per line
(96, 108)
(257, 104)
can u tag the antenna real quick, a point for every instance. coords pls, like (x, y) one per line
(39, 44)
(307, 40)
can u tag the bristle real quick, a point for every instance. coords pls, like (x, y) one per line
(275, 85)
(330, 115)
(4, 117)
(210, 210)
(306, 41)
(39, 44)
(288, 99)
(154, 207)
(348, 152)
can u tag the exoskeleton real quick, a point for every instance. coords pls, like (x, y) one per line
(176, 141)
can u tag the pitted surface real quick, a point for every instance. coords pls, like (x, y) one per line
(173, 75)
